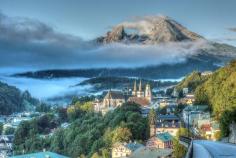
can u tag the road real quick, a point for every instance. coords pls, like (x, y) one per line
(211, 149)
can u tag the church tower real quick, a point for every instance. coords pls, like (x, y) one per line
(134, 92)
(140, 93)
(148, 93)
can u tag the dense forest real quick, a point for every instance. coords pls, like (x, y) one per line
(13, 100)
(103, 83)
(88, 133)
(202, 62)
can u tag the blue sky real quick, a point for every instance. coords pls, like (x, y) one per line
(53, 33)
(91, 18)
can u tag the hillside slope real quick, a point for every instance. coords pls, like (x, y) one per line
(219, 90)
(13, 100)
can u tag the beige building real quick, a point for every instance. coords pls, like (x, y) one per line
(160, 141)
(112, 100)
(123, 150)
(141, 97)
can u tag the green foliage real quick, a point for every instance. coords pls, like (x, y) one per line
(152, 116)
(191, 81)
(9, 131)
(227, 117)
(219, 90)
(179, 150)
(13, 100)
(1, 127)
(101, 83)
(43, 108)
(90, 134)
(27, 135)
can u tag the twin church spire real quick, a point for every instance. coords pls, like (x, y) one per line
(140, 93)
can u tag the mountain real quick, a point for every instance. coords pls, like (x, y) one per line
(13, 100)
(154, 31)
(159, 29)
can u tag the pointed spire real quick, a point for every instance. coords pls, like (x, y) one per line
(140, 86)
(135, 86)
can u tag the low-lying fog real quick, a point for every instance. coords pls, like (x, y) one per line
(49, 89)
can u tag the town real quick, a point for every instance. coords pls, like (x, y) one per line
(170, 115)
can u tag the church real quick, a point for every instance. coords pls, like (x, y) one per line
(140, 96)
(114, 99)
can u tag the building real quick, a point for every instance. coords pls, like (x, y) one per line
(45, 154)
(6, 142)
(168, 123)
(185, 91)
(206, 73)
(112, 100)
(140, 101)
(143, 98)
(194, 113)
(189, 99)
(121, 150)
(160, 141)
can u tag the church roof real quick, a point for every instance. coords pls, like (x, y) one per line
(114, 95)
(139, 100)
(164, 136)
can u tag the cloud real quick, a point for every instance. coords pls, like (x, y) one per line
(30, 43)
(233, 29)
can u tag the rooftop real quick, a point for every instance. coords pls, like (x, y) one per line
(167, 117)
(41, 155)
(133, 146)
(164, 136)
(114, 95)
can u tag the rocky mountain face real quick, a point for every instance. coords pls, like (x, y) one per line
(153, 31)
(157, 30)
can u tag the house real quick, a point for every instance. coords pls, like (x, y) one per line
(185, 91)
(45, 154)
(160, 141)
(189, 99)
(209, 130)
(168, 123)
(6, 142)
(193, 113)
(124, 149)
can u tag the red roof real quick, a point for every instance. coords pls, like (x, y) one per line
(139, 100)
(206, 127)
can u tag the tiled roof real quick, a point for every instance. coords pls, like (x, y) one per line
(139, 100)
(40, 155)
(114, 95)
(164, 136)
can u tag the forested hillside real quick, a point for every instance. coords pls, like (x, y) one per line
(88, 133)
(13, 100)
(219, 90)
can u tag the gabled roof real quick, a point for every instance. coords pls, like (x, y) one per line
(114, 95)
(41, 155)
(164, 136)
